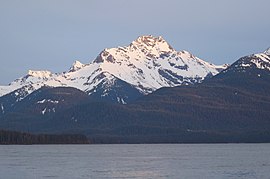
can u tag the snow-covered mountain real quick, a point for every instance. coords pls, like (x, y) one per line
(249, 73)
(122, 74)
(232, 106)
(259, 61)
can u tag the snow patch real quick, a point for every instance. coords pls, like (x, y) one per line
(48, 101)
(123, 101)
(245, 65)
(267, 52)
(2, 108)
(43, 111)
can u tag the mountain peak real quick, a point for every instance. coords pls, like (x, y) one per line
(148, 42)
(267, 51)
(148, 39)
(76, 66)
(40, 74)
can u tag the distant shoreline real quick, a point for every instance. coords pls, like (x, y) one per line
(23, 138)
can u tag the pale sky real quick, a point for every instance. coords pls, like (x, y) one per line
(52, 34)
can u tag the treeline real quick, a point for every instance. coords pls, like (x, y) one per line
(12, 137)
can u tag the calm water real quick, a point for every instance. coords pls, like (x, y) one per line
(135, 161)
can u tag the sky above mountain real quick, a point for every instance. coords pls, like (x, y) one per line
(51, 35)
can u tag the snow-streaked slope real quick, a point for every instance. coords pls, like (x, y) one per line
(150, 63)
(257, 61)
(147, 64)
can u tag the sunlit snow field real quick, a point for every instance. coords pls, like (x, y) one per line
(135, 161)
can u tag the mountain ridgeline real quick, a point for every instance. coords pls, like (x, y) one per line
(123, 74)
(173, 97)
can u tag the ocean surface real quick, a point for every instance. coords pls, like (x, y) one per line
(248, 161)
